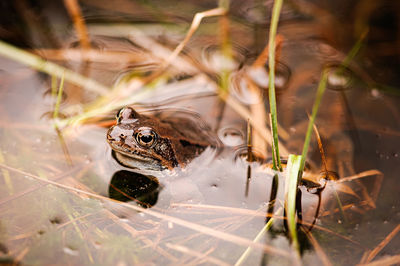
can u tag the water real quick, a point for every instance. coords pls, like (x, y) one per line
(358, 122)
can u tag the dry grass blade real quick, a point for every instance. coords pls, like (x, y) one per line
(373, 195)
(199, 255)
(6, 176)
(318, 248)
(93, 55)
(321, 148)
(160, 52)
(259, 116)
(267, 226)
(384, 261)
(260, 213)
(39, 64)
(381, 245)
(196, 227)
(76, 15)
(195, 24)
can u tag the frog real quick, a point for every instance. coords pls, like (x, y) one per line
(157, 142)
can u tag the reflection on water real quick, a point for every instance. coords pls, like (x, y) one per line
(130, 186)
(219, 190)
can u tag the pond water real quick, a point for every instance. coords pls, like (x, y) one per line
(209, 210)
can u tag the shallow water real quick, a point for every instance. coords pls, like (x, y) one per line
(203, 206)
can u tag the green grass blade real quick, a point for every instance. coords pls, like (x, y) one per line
(272, 101)
(293, 168)
(52, 69)
(320, 93)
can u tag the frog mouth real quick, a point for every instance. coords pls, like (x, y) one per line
(138, 162)
(134, 158)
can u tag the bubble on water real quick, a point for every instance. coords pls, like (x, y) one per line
(260, 76)
(231, 136)
(71, 251)
(376, 93)
(170, 225)
(124, 220)
(214, 186)
(97, 245)
(214, 59)
(339, 78)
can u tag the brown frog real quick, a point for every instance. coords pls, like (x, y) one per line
(156, 142)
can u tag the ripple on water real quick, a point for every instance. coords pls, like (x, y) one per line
(322, 50)
(212, 56)
(260, 75)
(241, 89)
(241, 82)
(231, 136)
(241, 153)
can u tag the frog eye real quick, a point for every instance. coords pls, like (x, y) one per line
(126, 115)
(146, 137)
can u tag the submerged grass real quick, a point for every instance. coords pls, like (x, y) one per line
(59, 97)
(271, 83)
(262, 233)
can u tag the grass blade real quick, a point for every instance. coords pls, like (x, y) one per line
(44, 66)
(320, 93)
(272, 101)
(59, 98)
(293, 168)
(260, 234)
